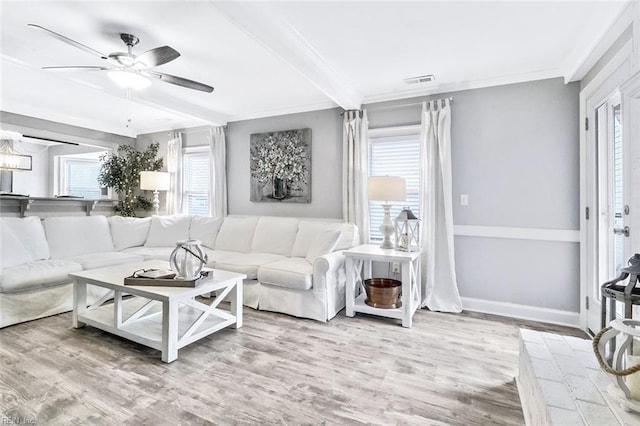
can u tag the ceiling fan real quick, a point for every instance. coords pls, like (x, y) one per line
(128, 69)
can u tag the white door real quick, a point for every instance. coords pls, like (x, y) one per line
(608, 236)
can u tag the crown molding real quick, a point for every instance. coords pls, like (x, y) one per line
(582, 60)
(435, 89)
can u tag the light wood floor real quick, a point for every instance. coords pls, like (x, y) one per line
(447, 369)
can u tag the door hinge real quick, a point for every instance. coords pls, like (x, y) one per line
(586, 303)
(586, 213)
(586, 123)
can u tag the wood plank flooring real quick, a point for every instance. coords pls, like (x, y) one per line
(446, 370)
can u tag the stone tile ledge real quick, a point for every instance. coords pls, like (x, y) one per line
(561, 383)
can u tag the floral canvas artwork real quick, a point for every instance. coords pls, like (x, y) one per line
(281, 166)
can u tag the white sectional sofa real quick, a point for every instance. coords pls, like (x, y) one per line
(294, 266)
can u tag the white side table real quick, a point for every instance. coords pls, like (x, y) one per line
(358, 264)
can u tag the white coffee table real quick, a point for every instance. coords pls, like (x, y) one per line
(163, 318)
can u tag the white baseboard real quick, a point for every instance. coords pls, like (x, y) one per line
(534, 313)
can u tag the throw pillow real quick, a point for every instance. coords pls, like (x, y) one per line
(167, 230)
(12, 251)
(129, 231)
(29, 230)
(205, 229)
(323, 244)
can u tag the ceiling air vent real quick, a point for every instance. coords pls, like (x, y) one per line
(419, 79)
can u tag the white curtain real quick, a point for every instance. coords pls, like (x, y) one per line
(174, 167)
(439, 284)
(355, 158)
(218, 183)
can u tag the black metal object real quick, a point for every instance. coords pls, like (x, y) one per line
(617, 291)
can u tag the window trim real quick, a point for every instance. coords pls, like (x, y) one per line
(60, 172)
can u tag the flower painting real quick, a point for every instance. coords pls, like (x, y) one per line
(281, 166)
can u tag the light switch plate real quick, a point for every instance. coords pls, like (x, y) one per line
(464, 199)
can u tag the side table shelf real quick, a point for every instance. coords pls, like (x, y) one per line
(359, 262)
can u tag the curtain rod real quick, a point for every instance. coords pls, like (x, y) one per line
(410, 104)
(404, 105)
(49, 140)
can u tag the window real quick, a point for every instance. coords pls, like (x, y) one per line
(196, 180)
(394, 152)
(78, 175)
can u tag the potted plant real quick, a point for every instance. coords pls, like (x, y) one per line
(121, 172)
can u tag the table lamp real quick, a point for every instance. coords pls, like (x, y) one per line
(154, 181)
(385, 189)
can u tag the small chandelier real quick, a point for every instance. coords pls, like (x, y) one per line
(407, 227)
(10, 159)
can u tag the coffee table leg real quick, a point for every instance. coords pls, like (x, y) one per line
(79, 302)
(236, 303)
(169, 331)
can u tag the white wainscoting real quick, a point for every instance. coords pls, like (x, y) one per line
(514, 310)
(527, 312)
(538, 234)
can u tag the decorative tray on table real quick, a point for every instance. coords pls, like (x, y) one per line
(165, 278)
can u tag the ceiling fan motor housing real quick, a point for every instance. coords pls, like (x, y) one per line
(129, 39)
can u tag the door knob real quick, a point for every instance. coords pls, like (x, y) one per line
(622, 231)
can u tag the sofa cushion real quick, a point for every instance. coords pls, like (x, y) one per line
(40, 273)
(247, 264)
(12, 251)
(129, 231)
(73, 236)
(103, 260)
(167, 230)
(323, 244)
(308, 231)
(236, 234)
(29, 230)
(294, 272)
(275, 235)
(350, 236)
(205, 229)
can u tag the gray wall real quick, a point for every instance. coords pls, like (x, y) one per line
(326, 164)
(515, 151)
(39, 182)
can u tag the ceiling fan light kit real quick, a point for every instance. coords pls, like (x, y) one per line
(129, 79)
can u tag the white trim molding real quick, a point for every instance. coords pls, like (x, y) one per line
(526, 312)
(537, 234)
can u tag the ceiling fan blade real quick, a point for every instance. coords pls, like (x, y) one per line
(77, 68)
(179, 81)
(157, 56)
(70, 42)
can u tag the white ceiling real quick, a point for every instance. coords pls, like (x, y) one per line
(270, 58)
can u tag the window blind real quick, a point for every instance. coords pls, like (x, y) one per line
(81, 178)
(394, 157)
(196, 183)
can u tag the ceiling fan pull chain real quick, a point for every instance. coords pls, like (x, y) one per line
(128, 107)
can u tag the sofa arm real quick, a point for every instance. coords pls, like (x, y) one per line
(329, 270)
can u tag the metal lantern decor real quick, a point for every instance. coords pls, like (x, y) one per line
(407, 231)
(623, 336)
(188, 259)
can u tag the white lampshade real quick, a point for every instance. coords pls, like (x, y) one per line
(129, 79)
(154, 181)
(387, 188)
